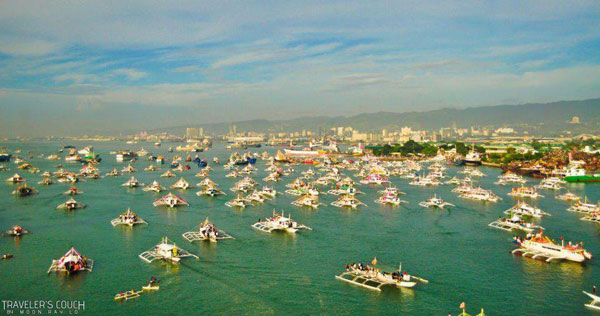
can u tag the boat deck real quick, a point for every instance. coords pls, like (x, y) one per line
(54, 266)
(196, 236)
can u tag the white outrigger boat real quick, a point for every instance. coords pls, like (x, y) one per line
(374, 279)
(167, 174)
(16, 178)
(595, 303)
(569, 197)
(128, 169)
(154, 187)
(268, 192)
(435, 202)
(308, 201)
(347, 200)
(211, 191)
(73, 191)
(479, 194)
(592, 217)
(549, 184)
(509, 178)
(165, 250)
(46, 181)
(525, 192)
(540, 246)
(181, 184)
(584, 207)
(238, 202)
(70, 205)
(170, 200)
(132, 183)
(524, 209)
(113, 173)
(278, 222)
(207, 231)
(390, 199)
(255, 196)
(71, 262)
(516, 222)
(425, 181)
(150, 167)
(128, 218)
(343, 189)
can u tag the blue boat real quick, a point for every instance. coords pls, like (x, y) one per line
(5, 157)
(202, 163)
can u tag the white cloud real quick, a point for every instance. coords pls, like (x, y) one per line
(130, 74)
(27, 48)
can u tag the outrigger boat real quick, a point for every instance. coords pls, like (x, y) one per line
(540, 246)
(435, 202)
(16, 178)
(595, 303)
(167, 174)
(584, 207)
(374, 279)
(524, 209)
(150, 168)
(17, 231)
(46, 181)
(207, 231)
(154, 187)
(278, 222)
(268, 192)
(24, 190)
(128, 295)
(255, 196)
(73, 191)
(525, 192)
(170, 200)
(114, 173)
(347, 200)
(165, 250)
(239, 201)
(390, 199)
(128, 169)
(210, 191)
(71, 262)
(128, 218)
(181, 184)
(307, 200)
(479, 194)
(516, 222)
(70, 205)
(592, 217)
(132, 183)
(569, 197)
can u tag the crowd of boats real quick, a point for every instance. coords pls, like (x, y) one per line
(339, 179)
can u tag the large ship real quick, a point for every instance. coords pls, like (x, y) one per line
(579, 175)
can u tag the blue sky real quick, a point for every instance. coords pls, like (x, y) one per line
(234, 60)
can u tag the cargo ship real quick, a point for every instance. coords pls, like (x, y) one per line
(579, 175)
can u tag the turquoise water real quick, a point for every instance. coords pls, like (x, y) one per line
(274, 274)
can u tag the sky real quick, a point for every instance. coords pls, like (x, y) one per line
(72, 66)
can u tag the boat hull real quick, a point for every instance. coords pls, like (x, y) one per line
(575, 179)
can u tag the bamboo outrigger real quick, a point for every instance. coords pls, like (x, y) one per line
(374, 279)
(206, 231)
(165, 250)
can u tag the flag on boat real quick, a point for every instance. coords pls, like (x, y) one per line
(374, 262)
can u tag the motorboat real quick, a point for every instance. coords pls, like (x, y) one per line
(279, 222)
(170, 200)
(166, 250)
(132, 183)
(71, 262)
(435, 202)
(524, 209)
(207, 231)
(128, 218)
(154, 187)
(514, 222)
(540, 246)
(70, 205)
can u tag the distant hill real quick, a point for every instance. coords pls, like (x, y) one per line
(548, 118)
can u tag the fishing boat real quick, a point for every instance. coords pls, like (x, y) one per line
(373, 278)
(424, 181)
(390, 198)
(46, 181)
(132, 183)
(525, 192)
(279, 222)
(128, 169)
(592, 217)
(16, 178)
(24, 190)
(308, 201)
(549, 184)
(128, 218)
(71, 262)
(569, 197)
(268, 192)
(127, 295)
(515, 222)
(210, 190)
(154, 187)
(150, 167)
(584, 207)
(472, 159)
(509, 178)
(181, 184)
(73, 191)
(167, 174)
(595, 303)
(375, 178)
(343, 189)
(540, 246)
(255, 196)
(70, 205)
(166, 250)
(524, 209)
(17, 231)
(170, 200)
(142, 152)
(479, 194)
(435, 202)
(347, 200)
(238, 202)
(207, 231)
(206, 182)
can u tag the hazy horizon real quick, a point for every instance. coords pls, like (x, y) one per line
(105, 65)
